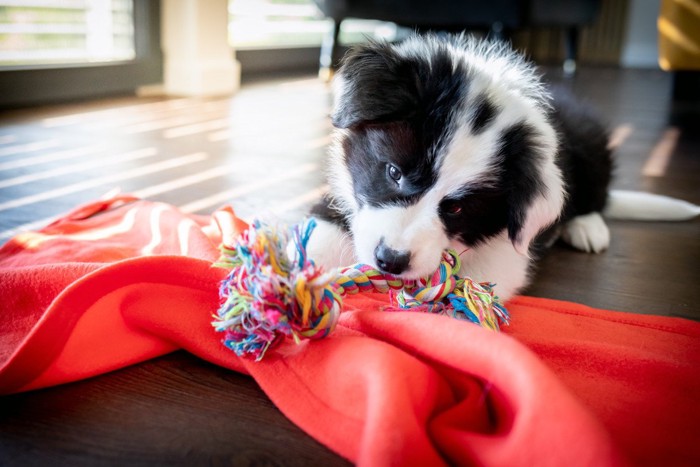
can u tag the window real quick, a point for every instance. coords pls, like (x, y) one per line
(260, 24)
(44, 32)
(58, 50)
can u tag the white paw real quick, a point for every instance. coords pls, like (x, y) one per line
(330, 246)
(587, 233)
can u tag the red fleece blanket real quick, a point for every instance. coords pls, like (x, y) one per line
(120, 281)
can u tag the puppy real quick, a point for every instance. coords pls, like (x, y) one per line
(449, 141)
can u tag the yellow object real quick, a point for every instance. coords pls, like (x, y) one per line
(679, 35)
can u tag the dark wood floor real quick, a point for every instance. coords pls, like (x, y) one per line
(262, 150)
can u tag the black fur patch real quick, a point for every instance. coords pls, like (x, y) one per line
(398, 110)
(483, 213)
(519, 163)
(367, 155)
(483, 113)
(380, 87)
(584, 157)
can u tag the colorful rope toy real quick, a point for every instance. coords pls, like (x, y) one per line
(268, 295)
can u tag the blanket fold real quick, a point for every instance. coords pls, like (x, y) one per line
(123, 280)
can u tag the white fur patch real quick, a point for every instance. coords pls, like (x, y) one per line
(339, 177)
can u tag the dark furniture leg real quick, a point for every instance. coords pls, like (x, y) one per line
(571, 50)
(497, 31)
(329, 51)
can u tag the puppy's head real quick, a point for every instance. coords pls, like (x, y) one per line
(441, 143)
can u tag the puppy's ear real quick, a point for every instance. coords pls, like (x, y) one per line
(373, 85)
(533, 182)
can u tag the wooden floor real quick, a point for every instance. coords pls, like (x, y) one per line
(262, 151)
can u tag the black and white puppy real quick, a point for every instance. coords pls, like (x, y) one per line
(455, 142)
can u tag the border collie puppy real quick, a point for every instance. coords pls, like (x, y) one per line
(454, 142)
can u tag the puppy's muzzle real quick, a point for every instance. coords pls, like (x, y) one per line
(391, 261)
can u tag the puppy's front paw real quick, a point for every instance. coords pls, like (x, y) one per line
(587, 233)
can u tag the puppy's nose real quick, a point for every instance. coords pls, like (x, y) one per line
(391, 261)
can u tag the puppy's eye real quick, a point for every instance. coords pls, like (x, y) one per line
(452, 208)
(393, 172)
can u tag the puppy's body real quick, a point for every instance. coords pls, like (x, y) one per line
(452, 142)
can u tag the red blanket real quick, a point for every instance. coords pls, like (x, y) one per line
(121, 281)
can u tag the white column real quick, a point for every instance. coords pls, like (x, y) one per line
(198, 60)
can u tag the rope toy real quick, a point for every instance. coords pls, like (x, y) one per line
(268, 295)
